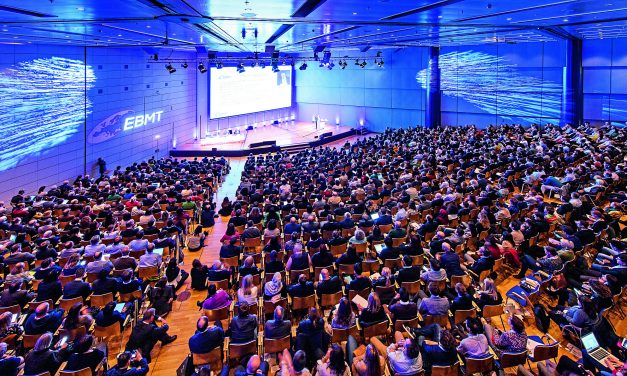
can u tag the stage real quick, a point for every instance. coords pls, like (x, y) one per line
(291, 137)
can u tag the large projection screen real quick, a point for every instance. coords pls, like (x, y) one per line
(255, 90)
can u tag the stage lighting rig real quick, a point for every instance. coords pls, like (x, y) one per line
(170, 68)
(184, 65)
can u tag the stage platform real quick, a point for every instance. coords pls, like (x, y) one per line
(291, 137)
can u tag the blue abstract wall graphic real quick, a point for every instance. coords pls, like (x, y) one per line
(43, 105)
(108, 128)
(496, 86)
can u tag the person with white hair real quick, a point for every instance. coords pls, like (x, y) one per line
(9, 365)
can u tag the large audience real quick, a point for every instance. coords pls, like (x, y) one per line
(383, 255)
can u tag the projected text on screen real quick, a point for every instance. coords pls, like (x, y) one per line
(254, 90)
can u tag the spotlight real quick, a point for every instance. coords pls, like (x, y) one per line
(303, 66)
(240, 68)
(185, 65)
(202, 68)
(170, 68)
(330, 65)
(326, 57)
(363, 64)
(219, 65)
(343, 64)
(357, 62)
(262, 64)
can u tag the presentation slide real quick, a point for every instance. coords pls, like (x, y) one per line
(254, 90)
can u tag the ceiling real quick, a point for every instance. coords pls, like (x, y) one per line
(302, 25)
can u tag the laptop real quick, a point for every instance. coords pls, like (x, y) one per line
(379, 247)
(12, 238)
(374, 216)
(594, 350)
(119, 307)
(158, 251)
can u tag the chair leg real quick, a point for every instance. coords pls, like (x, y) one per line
(502, 322)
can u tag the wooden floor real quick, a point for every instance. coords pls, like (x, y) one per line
(182, 319)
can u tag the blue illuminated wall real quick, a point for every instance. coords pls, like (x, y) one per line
(59, 105)
(501, 83)
(605, 80)
(382, 97)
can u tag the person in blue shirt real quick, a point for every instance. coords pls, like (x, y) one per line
(129, 365)
(207, 337)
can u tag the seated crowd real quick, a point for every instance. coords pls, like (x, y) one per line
(85, 259)
(387, 253)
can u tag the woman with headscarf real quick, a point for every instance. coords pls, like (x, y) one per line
(275, 288)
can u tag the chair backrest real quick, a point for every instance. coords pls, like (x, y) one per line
(148, 272)
(463, 279)
(13, 309)
(217, 314)
(385, 228)
(545, 352)
(33, 305)
(348, 269)
(295, 273)
(393, 263)
(360, 248)
(231, 262)
(301, 303)
(223, 284)
(92, 276)
(329, 300)
(445, 370)
(66, 304)
(239, 350)
(318, 269)
(396, 242)
(64, 279)
(337, 250)
(72, 333)
(252, 242)
(385, 290)
(10, 340)
(378, 329)
(442, 320)
(213, 358)
(417, 260)
(399, 325)
(462, 314)
(101, 300)
(127, 297)
(508, 359)
(492, 310)
(363, 293)
(411, 287)
(341, 335)
(271, 346)
(80, 372)
(29, 340)
(479, 365)
(112, 330)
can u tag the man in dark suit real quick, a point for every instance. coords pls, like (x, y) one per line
(125, 261)
(389, 252)
(359, 281)
(277, 328)
(450, 261)
(384, 219)
(13, 295)
(243, 327)
(328, 284)
(146, 334)
(249, 267)
(485, 262)
(207, 337)
(105, 283)
(401, 308)
(77, 287)
(435, 246)
(128, 284)
(218, 272)
(408, 273)
(230, 250)
(302, 288)
(43, 321)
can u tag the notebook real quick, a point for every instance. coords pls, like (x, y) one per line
(360, 301)
(374, 216)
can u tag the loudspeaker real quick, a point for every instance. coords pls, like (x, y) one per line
(249, 128)
(275, 122)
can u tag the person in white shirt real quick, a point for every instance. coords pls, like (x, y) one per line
(404, 355)
(150, 258)
(94, 246)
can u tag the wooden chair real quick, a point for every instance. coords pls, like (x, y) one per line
(361, 248)
(269, 306)
(378, 329)
(29, 340)
(393, 263)
(510, 360)
(348, 269)
(127, 297)
(15, 309)
(445, 370)
(240, 350)
(148, 272)
(110, 331)
(252, 243)
(101, 300)
(66, 304)
(213, 358)
(396, 242)
(217, 314)
(295, 273)
(399, 325)
(10, 340)
(363, 293)
(303, 303)
(318, 270)
(33, 305)
(442, 320)
(81, 372)
(92, 276)
(462, 314)
(479, 365)
(223, 284)
(64, 279)
(73, 333)
(412, 287)
(417, 260)
(337, 250)
(231, 262)
(341, 335)
(493, 311)
(385, 228)
(542, 351)
(329, 300)
(272, 346)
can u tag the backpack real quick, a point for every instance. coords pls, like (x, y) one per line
(543, 321)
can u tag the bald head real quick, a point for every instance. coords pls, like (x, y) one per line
(324, 273)
(253, 364)
(42, 309)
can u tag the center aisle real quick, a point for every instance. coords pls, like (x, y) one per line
(182, 319)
